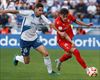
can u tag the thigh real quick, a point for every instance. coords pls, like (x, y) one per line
(25, 47)
(42, 50)
(36, 43)
(66, 46)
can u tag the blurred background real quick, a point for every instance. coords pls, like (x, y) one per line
(85, 10)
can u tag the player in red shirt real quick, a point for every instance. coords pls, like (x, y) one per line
(65, 35)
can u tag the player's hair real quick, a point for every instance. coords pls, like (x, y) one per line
(64, 11)
(39, 5)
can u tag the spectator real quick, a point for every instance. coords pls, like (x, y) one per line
(50, 3)
(91, 9)
(98, 12)
(93, 1)
(4, 18)
(66, 4)
(80, 31)
(81, 8)
(54, 9)
(0, 5)
(11, 6)
(98, 1)
(5, 30)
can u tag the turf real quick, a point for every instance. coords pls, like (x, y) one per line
(36, 70)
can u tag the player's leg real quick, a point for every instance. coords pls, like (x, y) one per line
(37, 45)
(63, 58)
(47, 60)
(66, 47)
(24, 58)
(78, 57)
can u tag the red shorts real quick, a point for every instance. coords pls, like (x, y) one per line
(64, 44)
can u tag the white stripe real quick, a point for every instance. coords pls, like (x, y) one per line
(23, 23)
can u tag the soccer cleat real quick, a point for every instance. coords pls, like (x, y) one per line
(58, 64)
(53, 72)
(15, 62)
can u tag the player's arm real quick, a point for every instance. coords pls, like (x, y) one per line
(9, 11)
(83, 24)
(47, 21)
(63, 34)
(69, 39)
(21, 12)
(53, 26)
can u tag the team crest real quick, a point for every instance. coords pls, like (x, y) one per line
(60, 28)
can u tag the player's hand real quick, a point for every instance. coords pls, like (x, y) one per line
(90, 24)
(73, 44)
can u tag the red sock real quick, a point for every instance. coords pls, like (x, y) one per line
(79, 59)
(65, 57)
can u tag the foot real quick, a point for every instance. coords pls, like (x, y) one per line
(15, 62)
(58, 64)
(53, 72)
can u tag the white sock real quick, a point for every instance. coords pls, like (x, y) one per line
(87, 69)
(20, 58)
(47, 62)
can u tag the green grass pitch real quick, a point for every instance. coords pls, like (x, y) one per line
(36, 70)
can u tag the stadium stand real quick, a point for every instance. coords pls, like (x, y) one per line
(80, 8)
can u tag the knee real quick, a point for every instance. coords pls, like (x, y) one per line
(70, 55)
(45, 54)
(26, 62)
(26, 59)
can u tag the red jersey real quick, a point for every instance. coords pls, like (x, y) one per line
(65, 26)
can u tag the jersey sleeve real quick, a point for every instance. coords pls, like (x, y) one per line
(47, 21)
(55, 22)
(73, 18)
(26, 12)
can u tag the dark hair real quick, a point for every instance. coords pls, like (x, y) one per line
(39, 5)
(64, 11)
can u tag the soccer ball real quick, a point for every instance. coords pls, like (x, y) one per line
(92, 71)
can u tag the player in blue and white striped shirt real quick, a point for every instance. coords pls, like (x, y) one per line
(29, 37)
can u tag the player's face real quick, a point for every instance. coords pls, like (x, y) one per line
(63, 17)
(39, 11)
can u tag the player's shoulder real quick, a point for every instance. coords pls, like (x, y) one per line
(57, 19)
(70, 15)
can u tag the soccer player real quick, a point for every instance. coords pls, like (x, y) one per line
(65, 36)
(29, 38)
